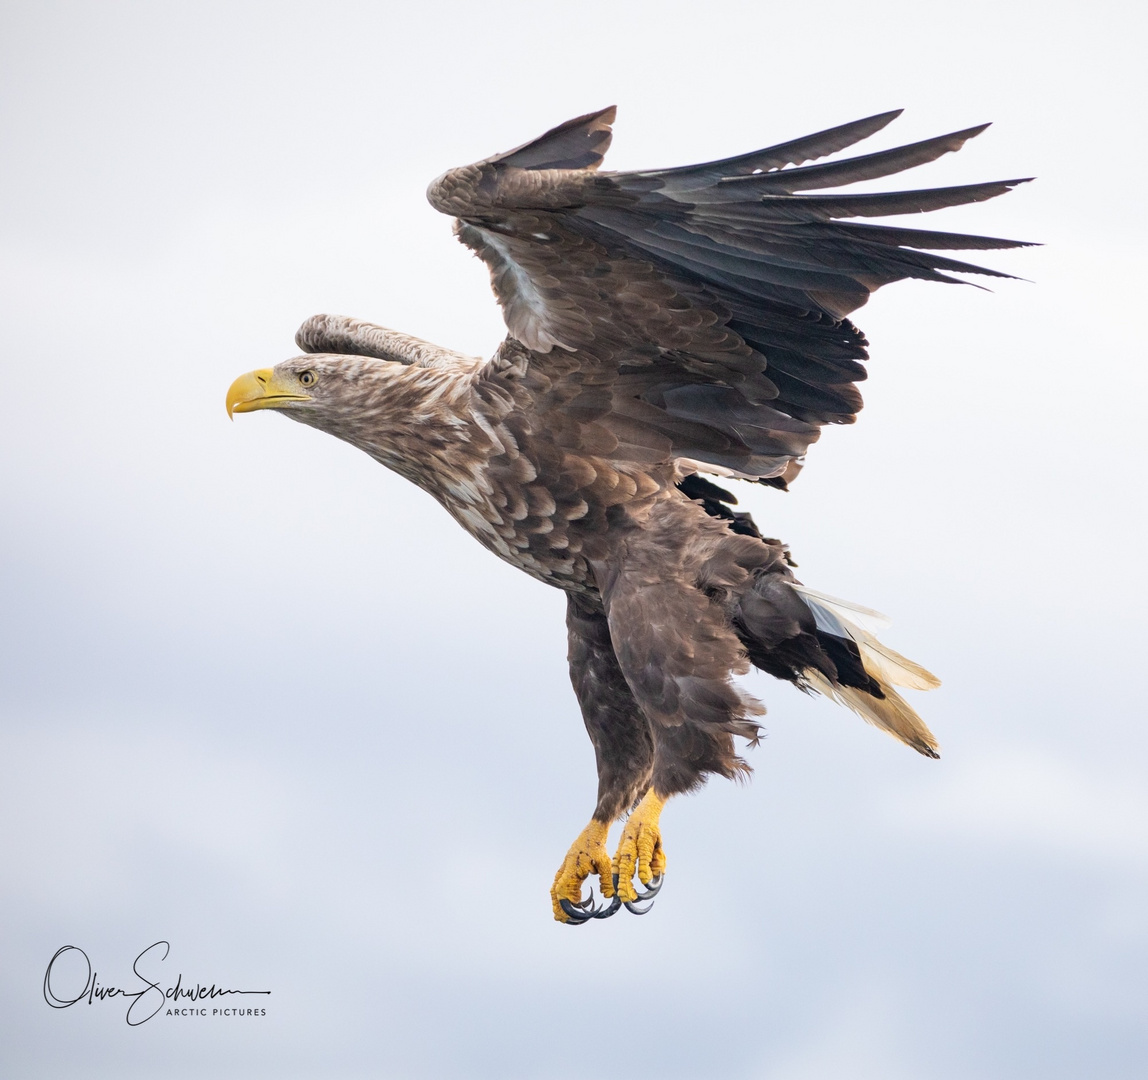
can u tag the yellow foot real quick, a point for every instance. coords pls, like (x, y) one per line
(640, 849)
(587, 855)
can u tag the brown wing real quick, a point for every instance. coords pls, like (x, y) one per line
(698, 312)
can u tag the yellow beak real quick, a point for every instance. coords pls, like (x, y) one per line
(261, 389)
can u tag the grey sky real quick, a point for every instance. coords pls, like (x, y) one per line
(263, 699)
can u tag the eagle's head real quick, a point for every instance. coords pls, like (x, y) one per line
(401, 414)
(308, 387)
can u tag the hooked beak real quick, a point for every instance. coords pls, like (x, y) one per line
(261, 389)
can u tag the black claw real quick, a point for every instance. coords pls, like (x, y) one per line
(585, 910)
(575, 913)
(606, 912)
(654, 888)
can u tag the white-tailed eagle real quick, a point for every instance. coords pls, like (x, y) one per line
(662, 325)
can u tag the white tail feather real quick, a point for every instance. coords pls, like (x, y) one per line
(848, 610)
(844, 619)
(891, 713)
(890, 666)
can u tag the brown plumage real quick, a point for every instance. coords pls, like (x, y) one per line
(662, 324)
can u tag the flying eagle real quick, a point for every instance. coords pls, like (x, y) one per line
(662, 325)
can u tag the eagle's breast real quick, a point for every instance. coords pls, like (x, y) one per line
(545, 509)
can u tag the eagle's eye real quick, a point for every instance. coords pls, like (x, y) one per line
(308, 378)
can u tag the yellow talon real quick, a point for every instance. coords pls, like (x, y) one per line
(640, 848)
(587, 855)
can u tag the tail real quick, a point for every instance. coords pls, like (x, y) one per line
(843, 623)
(834, 652)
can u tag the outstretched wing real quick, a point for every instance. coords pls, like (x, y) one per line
(698, 312)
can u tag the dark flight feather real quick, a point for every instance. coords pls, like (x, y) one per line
(827, 207)
(807, 148)
(852, 170)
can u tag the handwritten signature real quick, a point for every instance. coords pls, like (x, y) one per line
(152, 997)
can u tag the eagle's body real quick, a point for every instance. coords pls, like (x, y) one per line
(661, 324)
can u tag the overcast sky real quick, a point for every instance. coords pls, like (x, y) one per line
(263, 700)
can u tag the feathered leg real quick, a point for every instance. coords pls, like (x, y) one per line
(623, 748)
(677, 650)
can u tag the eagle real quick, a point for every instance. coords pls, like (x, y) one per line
(664, 326)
